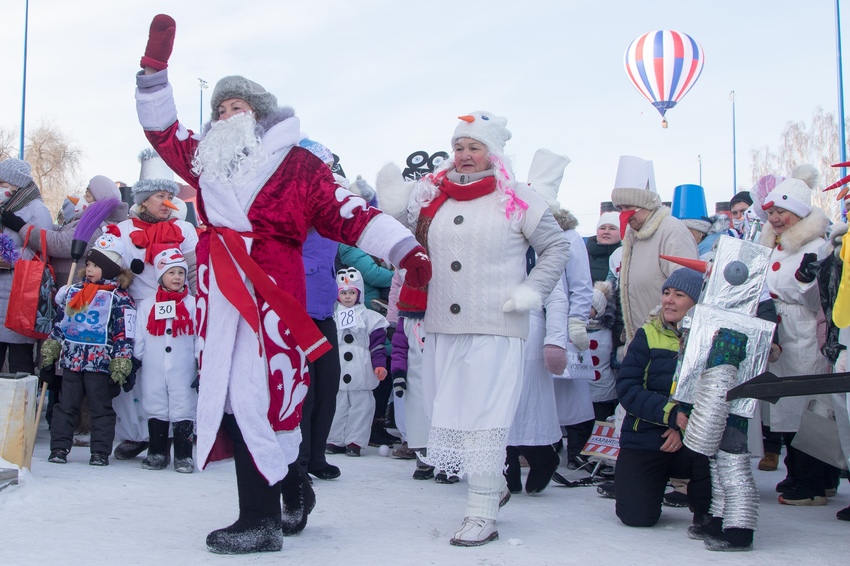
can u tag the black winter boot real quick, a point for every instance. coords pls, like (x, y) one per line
(513, 473)
(731, 540)
(298, 500)
(706, 528)
(157, 458)
(258, 528)
(543, 462)
(184, 432)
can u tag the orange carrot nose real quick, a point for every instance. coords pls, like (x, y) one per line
(74, 200)
(695, 264)
(468, 119)
(170, 204)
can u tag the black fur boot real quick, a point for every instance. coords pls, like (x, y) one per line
(543, 462)
(299, 499)
(258, 527)
(731, 540)
(183, 434)
(706, 527)
(157, 458)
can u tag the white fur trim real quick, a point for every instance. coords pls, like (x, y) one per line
(393, 192)
(524, 298)
(157, 110)
(386, 238)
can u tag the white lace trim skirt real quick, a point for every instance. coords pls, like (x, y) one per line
(475, 382)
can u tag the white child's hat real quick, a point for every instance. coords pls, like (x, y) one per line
(349, 278)
(166, 258)
(107, 252)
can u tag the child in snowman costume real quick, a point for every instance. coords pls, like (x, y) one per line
(363, 362)
(166, 348)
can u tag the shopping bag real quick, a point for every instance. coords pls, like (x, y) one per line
(31, 309)
(579, 364)
(818, 433)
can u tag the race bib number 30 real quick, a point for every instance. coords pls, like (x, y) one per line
(165, 309)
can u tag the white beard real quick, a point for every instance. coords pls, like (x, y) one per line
(231, 151)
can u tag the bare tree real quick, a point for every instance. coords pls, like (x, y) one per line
(7, 144)
(55, 163)
(817, 144)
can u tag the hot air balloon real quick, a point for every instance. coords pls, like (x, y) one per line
(664, 65)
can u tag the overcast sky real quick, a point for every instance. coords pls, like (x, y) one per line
(375, 80)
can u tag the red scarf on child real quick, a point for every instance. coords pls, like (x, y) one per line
(415, 299)
(181, 323)
(84, 296)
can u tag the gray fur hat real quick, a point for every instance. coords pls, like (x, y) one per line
(264, 103)
(16, 172)
(155, 176)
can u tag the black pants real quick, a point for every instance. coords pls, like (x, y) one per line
(604, 409)
(810, 473)
(642, 477)
(320, 402)
(20, 357)
(772, 441)
(100, 390)
(258, 500)
(577, 436)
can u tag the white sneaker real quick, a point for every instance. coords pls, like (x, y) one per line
(475, 531)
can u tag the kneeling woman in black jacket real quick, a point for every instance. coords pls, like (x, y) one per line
(651, 449)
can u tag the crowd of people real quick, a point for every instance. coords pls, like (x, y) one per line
(307, 314)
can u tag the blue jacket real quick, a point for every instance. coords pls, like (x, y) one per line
(319, 254)
(643, 386)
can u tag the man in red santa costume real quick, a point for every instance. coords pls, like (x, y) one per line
(258, 194)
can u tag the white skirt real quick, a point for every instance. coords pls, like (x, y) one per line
(472, 385)
(536, 419)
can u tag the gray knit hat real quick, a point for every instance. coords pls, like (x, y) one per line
(15, 172)
(155, 176)
(264, 103)
(689, 281)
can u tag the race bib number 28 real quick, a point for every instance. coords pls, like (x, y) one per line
(346, 318)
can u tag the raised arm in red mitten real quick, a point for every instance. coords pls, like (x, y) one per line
(160, 42)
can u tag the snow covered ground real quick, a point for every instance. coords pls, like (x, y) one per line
(374, 514)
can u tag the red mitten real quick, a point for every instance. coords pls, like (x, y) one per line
(160, 42)
(418, 267)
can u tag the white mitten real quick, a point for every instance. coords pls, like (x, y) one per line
(362, 188)
(523, 299)
(393, 192)
(577, 330)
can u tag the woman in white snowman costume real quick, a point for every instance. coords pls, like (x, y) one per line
(362, 334)
(167, 347)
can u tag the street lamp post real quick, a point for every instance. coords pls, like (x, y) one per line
(734, 148)
(202, 84)
(841, 127)
(24, 92)
(699, 158)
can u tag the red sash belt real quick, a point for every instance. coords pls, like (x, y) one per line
(227, 249)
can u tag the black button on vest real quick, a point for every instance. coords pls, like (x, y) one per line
(168, 331)
(348, 356)
(346, 378)
(168, 349)
(458, 219)
(455, 308)
(456, 266)
(348, 339)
